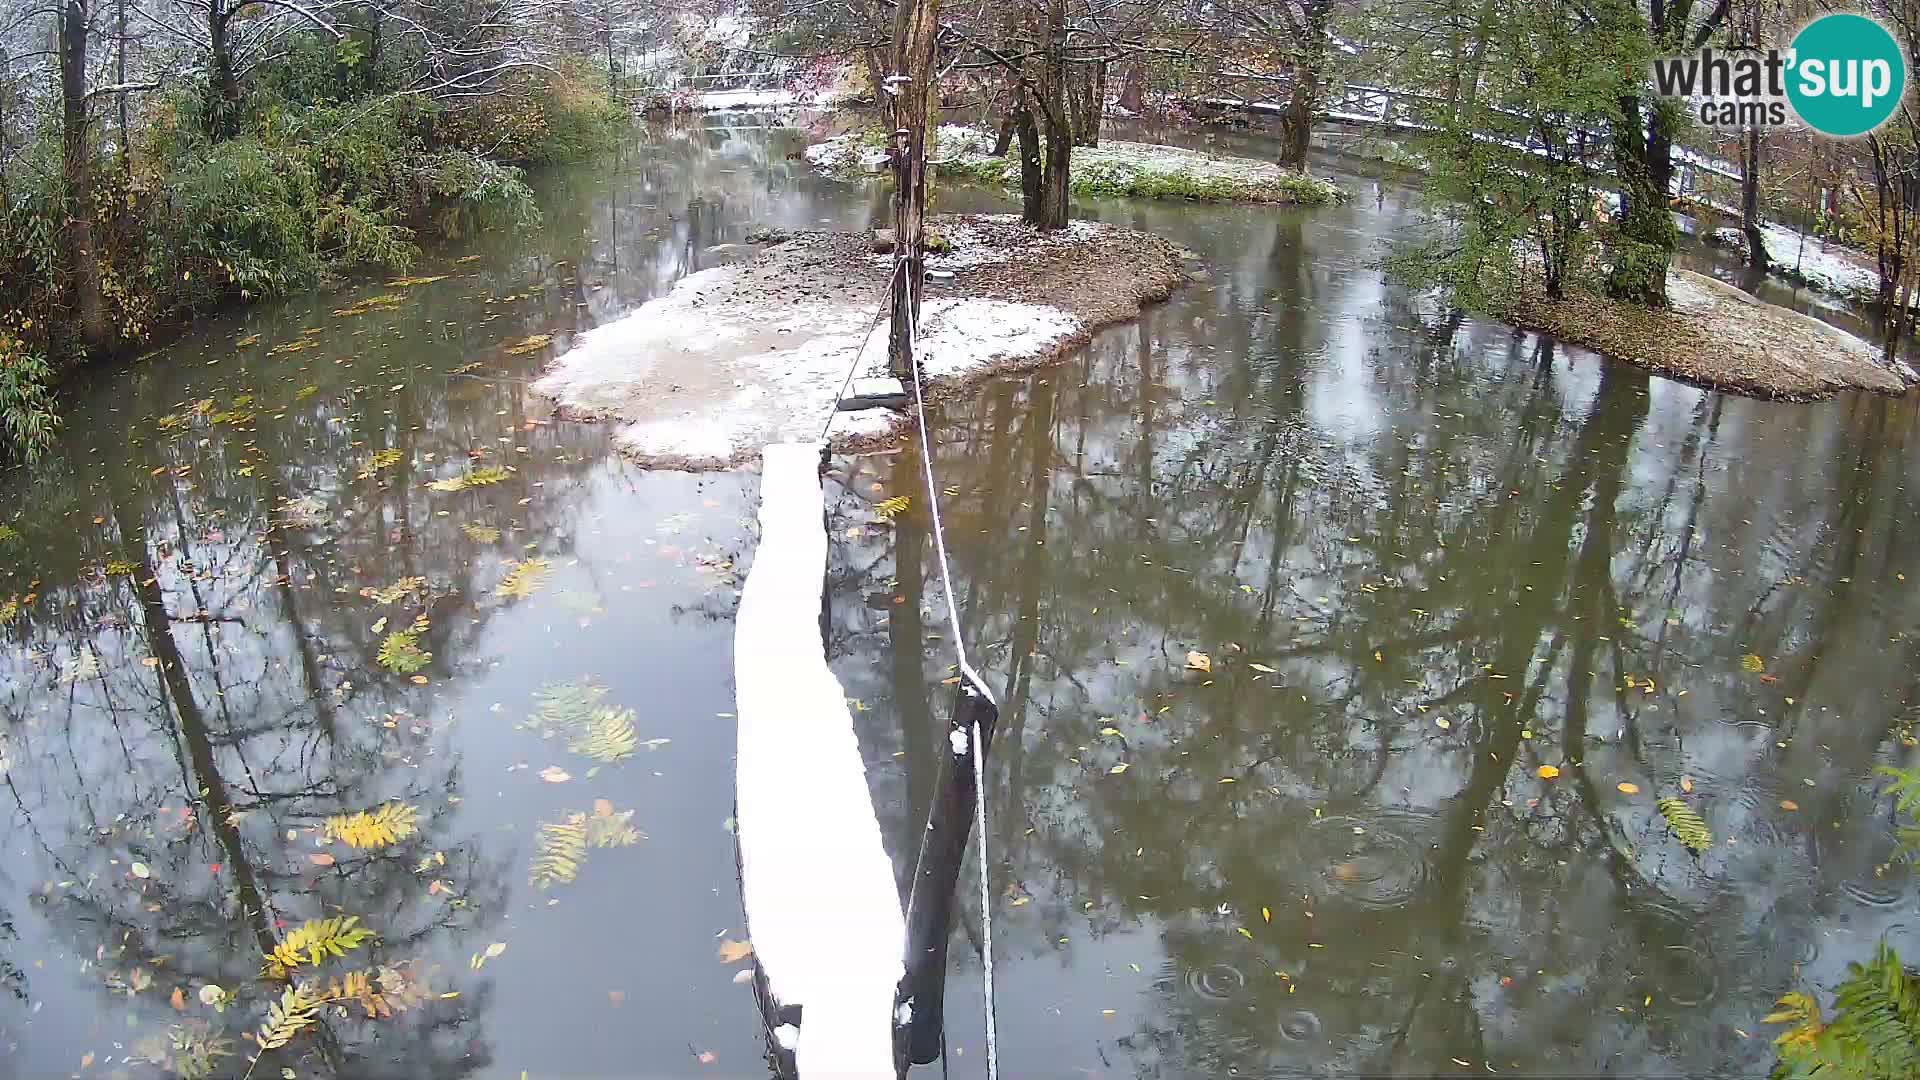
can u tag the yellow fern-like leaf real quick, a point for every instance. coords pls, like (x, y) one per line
(296, 1010)
(377, 828)
(480, 534)
(561, 848)
(892, 508)
(1686, 824)
(401, 652)
(524, 578)
(311, 943)
(608, 827)
(607, 735)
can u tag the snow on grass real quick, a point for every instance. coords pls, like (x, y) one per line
(703, 384)
(1829, 268)
(1113, 168)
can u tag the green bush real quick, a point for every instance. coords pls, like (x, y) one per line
(27, 417)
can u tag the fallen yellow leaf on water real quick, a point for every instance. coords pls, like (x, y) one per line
(1789, 804)
(1442, 723)
(1199, 661)
(140, 870)
(708, 1057)
(732, 952)
(1261, 668)
(496, 949)
(1120, 768)
(554, 774)
(320, 858)
(1628, 788)
(1548, 772)
(1265, 914)
(1686, 784)
(178, 1000)
(1753, 663)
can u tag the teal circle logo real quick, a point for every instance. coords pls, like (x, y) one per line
(1847, 75)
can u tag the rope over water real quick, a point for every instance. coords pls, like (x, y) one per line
(970, 679)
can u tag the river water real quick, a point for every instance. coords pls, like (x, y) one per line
(1422, 557)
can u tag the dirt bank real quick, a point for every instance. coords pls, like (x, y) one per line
(756, 352)
(1720, 337)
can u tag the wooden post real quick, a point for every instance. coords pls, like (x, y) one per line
(943, 847)
(911, 90)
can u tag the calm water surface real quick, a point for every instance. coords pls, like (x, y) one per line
(1425, 556)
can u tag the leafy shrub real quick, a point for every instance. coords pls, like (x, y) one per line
(539, 117)
(27, 416)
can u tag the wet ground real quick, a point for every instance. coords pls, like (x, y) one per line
(1422, 557)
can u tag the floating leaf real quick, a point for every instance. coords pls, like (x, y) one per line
(560, 850)
(408, 589)
(480, 534)
(1262, 669)
(1547, 772)
(1199, 661)
(1753, 663)
(1686, 824)
(1120, 768)
(409, 282)
(387, 824)
(314, 941)
(608, 736)
(401, 652)
(491, 474)
(523, 578)
(732, 952)
(320, 858)
(565, 707)
(1628, 788)
(141, 871)
(554, 774)
(889, 509)
(526, 345)
(382, 459)
(297, 1010)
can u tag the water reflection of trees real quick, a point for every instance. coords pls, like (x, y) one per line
(192, 686)
(1462, 553)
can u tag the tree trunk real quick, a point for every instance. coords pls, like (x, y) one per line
(1089, 96)
(1644, 236)
(1031, 169)
(1303, 103)
(1133, 89)
(223, 90)
(1750, 202)
(915, 26)
(1053, 213)
(1004, 140)
(120, 76)
(77, 254)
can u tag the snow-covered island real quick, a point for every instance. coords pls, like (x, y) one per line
(757, 352)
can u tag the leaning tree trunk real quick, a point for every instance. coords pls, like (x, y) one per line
(79, 260)
(1750, 203)
(1644, 236)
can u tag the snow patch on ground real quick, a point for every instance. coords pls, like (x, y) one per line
(1827, 268)
(822, 909)
(704, 384)
(745, 99)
